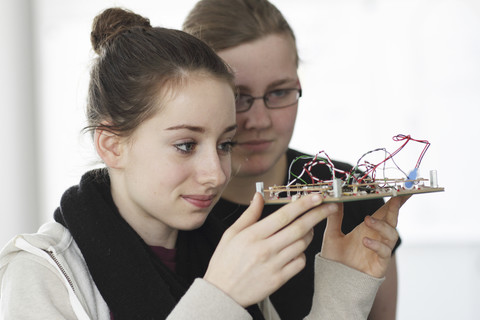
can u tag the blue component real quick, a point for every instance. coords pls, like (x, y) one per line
(411, 176)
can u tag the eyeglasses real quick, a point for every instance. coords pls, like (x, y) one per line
(275, 99)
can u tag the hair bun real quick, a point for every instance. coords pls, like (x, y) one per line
(111, 23)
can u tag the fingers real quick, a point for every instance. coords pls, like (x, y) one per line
(334, 222)
(292, 251)
(249, 217)
(285, 215)
(254, 257)
(292, 268)
(390, 210)
(404, 199)
(291, 260)
(301, 226)
(381, 249)
(383, 240)
(393, 207)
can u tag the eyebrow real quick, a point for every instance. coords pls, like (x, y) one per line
(283, 81)
(273, 84)
(198, 129)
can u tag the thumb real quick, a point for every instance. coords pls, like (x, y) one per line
(250, 216)
(334, 223)
(394, 205)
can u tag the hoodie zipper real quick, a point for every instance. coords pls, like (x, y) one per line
(50, 256)
(62, 269)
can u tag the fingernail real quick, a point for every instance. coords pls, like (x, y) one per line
(316, 199)
(253, 197)
(331, 207)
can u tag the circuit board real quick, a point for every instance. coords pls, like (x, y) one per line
(339, 192)
(361, 182)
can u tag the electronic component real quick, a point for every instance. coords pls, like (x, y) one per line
(332, 192)
(355, 184)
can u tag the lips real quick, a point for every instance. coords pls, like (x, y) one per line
(256, 145)
(200, 201)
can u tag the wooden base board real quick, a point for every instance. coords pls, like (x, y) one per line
(348, 196)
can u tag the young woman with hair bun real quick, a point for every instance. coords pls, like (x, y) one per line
(134, 240)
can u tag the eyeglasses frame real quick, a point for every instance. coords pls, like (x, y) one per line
(265, 100)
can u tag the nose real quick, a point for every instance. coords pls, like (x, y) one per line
(258, 117)
(213, 170)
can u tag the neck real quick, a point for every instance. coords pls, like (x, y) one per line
(167, 239)
(241, 188)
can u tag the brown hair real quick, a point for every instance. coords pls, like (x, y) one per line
(226, 24)
(136, 64)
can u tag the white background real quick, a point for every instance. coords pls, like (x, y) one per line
(370, 70)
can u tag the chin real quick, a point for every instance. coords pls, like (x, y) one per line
(194, 222)
(252, 168)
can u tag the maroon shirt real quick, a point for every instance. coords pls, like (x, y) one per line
(167, 256)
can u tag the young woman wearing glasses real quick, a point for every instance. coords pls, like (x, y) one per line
(254, 38)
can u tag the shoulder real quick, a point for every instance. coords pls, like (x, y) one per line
(28, 278)
(30, 281)
(48, 268)
(31, 254)
(49, 235)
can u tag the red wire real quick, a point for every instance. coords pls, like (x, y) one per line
(370, 169)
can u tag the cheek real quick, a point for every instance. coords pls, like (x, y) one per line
(175, 172)
(240, 119)
(226, 164)
(284, 120)
(163, 173)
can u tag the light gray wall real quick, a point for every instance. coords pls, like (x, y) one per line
(370, 70)
(19, 207)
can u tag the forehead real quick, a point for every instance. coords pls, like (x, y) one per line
(200, 100)
(267, 59)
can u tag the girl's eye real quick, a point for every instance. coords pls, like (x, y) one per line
(186, 147)
(226, 147)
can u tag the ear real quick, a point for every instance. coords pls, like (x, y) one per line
(299, 84)
(109, 147)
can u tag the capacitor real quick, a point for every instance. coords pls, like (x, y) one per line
(337, 188)
(259, 186)
(433, 179)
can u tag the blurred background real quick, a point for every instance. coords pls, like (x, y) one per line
(370, 69)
